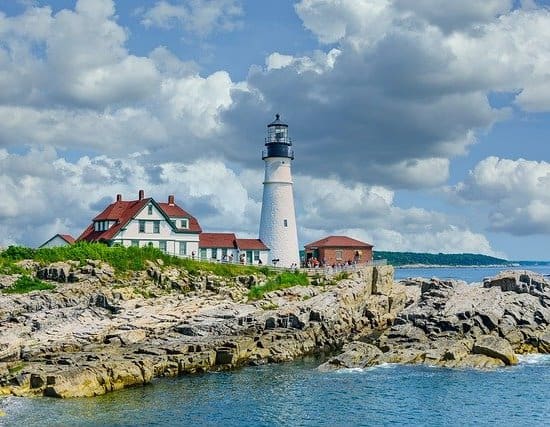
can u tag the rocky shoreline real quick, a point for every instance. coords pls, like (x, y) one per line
(97, 333)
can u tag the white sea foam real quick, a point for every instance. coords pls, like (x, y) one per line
(534, 359)
(370, 368)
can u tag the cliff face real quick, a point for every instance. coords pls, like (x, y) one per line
(101, 335)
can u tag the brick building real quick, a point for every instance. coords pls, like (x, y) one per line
(339, 249)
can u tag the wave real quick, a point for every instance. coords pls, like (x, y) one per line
(370, 368)
(534, 359)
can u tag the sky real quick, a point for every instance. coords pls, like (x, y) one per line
(417, 126)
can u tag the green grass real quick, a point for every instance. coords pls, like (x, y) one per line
(343, 275)
(28, 284)
(122, 259)
(284, 280)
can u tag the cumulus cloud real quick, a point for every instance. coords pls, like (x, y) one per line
(65, 195)
(516, 192)
(327, 206)
(44, 194)
(398, 90)
(200, 17)
(405, 90)
(69, 82)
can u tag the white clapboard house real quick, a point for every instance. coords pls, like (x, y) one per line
(145, 222)
(168, 227)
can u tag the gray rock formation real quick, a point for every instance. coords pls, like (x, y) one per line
(452, 324)
(101, 334)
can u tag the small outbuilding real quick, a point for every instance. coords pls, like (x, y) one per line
(333, 250)
(58, 240)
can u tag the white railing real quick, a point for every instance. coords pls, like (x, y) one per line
(326, 271)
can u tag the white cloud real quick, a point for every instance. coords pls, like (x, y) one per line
(328, 206)
(46, 194)
(516, 192)
(200, 17)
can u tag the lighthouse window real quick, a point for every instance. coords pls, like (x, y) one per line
(285, 222)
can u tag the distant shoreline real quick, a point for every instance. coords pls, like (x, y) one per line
(511, 265)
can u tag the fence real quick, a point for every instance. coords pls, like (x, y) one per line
(326, 271)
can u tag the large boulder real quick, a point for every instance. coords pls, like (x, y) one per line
(356, 355)
(495, 347)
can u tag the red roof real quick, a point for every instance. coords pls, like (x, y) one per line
(338, 241)
(217, 240)
(67, 237)
(174, 211)
(251, 244)
(122, 213)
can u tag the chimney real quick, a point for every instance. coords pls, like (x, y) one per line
(141, 195)
(119, 197)
(171, 200)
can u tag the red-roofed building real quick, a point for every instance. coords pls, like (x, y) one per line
(253, 251)
(339, 249)
(226, 247)
(58, 240)
(144, 222)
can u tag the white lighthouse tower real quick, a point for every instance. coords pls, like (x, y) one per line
(278, 221)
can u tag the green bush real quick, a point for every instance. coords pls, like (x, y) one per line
(10, 267)
(284, 280)
(341, 276)
(28, 284)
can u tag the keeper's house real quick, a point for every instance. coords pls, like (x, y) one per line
(339, 249)
(145, 222)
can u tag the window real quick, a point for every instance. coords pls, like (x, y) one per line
(150, 210)
(285, 222)
(135, 243)
(339, 254)
(203, 253)
(224, 252)
(214, 253)
(256, 255)
(156, 226)
(162, 245)
(184, 223)
(183, 248)
(141, 226)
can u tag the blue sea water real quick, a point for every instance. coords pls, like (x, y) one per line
(296, 394)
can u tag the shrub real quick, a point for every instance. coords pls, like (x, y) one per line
(342, 276)
(284, 280)
(28, 284)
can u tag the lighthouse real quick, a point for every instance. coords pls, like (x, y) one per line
(278, 220)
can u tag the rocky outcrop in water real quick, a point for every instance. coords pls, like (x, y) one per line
(453, 324)
(99, 334)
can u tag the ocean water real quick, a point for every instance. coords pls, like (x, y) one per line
(296, 394)
(468, 274)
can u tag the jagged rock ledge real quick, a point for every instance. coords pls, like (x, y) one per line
(455, 325)
(99, 334)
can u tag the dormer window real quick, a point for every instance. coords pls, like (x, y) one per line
(184, 223)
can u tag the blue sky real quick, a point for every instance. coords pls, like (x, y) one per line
(417, 125)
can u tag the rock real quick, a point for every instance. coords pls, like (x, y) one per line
(356, 355)
(495, 347)
(544, 342)
(382, 280)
